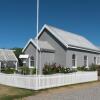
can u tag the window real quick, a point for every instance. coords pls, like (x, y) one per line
(95, 60)
(32, 61)
(85, 61)
(73, 60)
(98, 61)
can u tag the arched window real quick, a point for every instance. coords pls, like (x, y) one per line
(95, 60)
(73, 60)
(85, 61)
(32, 61)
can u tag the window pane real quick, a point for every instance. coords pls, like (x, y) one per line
(94, 60)
(98, 60)
(85, 60)
(73, 60)
(32, 61)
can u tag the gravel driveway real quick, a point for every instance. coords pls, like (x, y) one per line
(85, 93)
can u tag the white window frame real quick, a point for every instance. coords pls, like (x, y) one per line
(98, 60)
(75, 61)
(0, 66)
(86, 61)
(30, 62)
(95, 60)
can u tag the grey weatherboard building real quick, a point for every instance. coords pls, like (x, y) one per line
(60, 47)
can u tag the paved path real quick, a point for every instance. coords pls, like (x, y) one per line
(85, 93)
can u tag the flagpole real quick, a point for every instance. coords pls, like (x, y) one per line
(37, 28)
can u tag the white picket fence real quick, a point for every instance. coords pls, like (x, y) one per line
(46, 81)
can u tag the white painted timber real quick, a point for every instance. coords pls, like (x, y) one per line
(46, 81)
(23, 56)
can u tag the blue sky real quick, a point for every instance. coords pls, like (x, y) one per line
(18, 19)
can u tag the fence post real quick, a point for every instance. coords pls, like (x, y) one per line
(36, 83)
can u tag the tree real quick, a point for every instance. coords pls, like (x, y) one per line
(17, 52)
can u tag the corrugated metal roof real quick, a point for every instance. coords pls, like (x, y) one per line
(7, 55)
(72, 39)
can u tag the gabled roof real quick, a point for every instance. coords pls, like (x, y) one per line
(42, 45)
(70, 40)
(7, 55)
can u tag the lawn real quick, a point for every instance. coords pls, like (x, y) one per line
(11, 93)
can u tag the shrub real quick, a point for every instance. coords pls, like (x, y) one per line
(47, 69)
(24, 70)
(93, 67)
(53, 69)
(59, 69)
(32, 71)
(73, 70)
(8, 70)
(90, 68)
(83, 68)
(65, 70)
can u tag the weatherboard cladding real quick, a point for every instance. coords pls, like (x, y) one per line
(80, 57)
(44, 45)
(46, 57)
(60, 51)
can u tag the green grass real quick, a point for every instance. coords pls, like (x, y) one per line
(11, 93)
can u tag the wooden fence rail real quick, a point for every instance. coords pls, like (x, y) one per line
(46, 81)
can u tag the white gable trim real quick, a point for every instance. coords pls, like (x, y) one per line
(30, 41)
(66, 45)
(60, 39)
(45, 26)
(84, 49)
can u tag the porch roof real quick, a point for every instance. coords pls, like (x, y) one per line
(24, 56)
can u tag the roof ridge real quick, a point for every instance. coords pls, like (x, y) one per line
(68, 38)
(76, 34)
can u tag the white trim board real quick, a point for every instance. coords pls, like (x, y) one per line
(61, 40)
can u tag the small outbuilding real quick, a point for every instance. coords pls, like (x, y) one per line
(8, 58)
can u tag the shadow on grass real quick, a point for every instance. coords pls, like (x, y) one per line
(16, 93)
